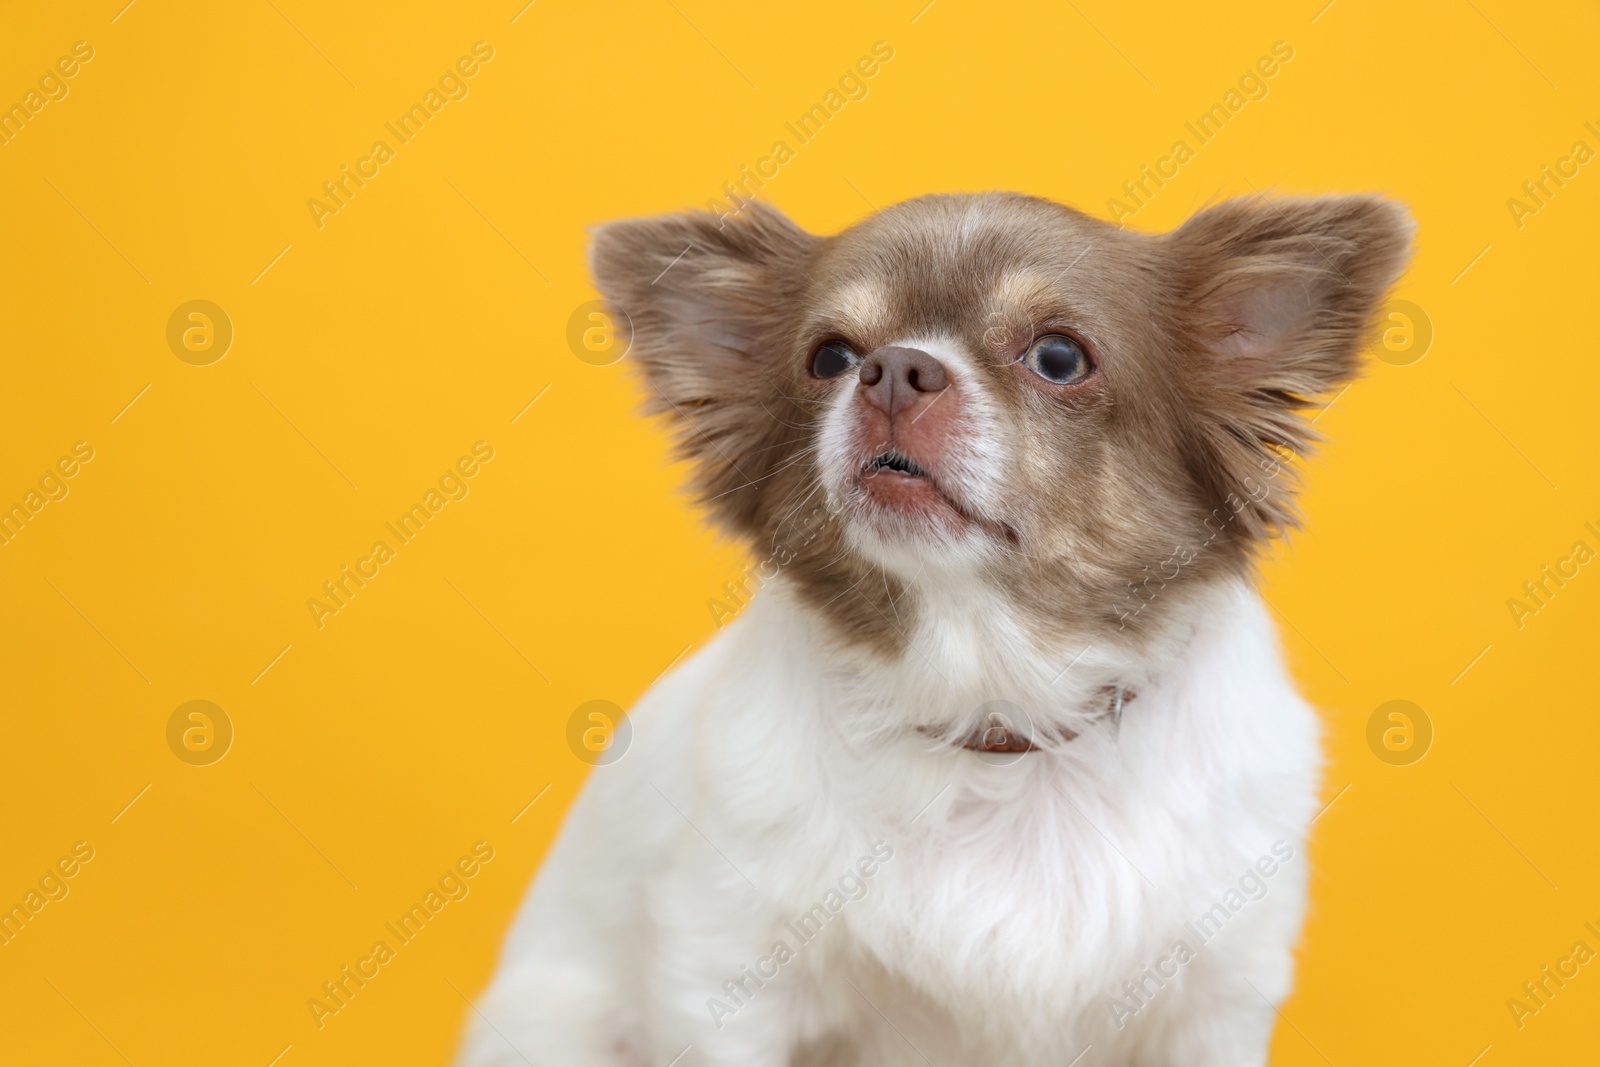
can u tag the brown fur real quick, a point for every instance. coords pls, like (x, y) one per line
(1171, 463)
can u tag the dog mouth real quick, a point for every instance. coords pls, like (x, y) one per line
(904, 496)
(900, 489)
(895, 461)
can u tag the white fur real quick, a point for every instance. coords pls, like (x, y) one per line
(1022, 894)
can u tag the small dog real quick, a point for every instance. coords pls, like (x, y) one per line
(1002, 766)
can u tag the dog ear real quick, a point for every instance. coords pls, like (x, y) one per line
(1277, 299)
(705, 300)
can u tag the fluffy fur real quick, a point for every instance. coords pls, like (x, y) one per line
(1064, 539)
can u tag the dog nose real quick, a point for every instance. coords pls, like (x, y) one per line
(893, 379)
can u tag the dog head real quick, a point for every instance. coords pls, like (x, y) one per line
(1001, 390)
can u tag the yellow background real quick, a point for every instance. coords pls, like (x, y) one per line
(432, 309)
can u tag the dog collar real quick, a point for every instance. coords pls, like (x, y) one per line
(999, 736)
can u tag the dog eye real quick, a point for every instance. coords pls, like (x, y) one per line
(832, 360)
(1058, 359)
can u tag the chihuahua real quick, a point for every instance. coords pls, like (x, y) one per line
(1003, 764)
